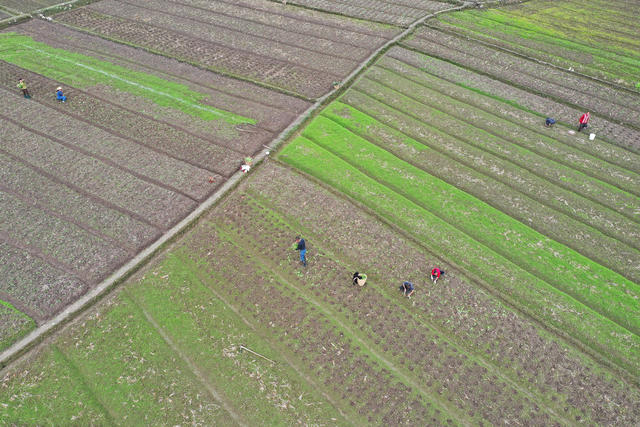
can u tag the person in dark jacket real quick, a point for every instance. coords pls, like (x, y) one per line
(407, 289)
(302, 247)
(549, 122)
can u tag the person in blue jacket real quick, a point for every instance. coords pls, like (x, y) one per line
(59, 95)
(302, 247)
(407, 289)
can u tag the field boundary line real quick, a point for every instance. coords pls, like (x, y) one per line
(433, 326)
(231, 29)
(529, 169)
(539, 61)
(512, 304)
(197, 373)
(257, 331)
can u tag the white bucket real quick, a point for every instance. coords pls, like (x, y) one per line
(592, 136)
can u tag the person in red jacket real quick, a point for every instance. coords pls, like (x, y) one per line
(436, 273)
(584, 121)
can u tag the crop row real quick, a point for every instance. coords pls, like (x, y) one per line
(301, 21)
(205, 329)
(541, 256)
(466, 315)
(58, 63)
(619, 11)
(608, 28)
(562, 228)
(39, 287)
(568, 178)
(328, 351)
(529, 102)
(138, 159)
(240, 40)
(531, 120)
(85, 252)
(224, 26)
(29, 183)
(532, 140)
(132, 126)
(205, 53)
(155, 204)
(546, 48)
(533, 295)
(380, 318)
(169, 101)
(13, 324)
(401, 14)
(563, 85)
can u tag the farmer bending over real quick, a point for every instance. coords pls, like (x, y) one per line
(359, 279)
(407, 289)
(436, 273)
(584, 121)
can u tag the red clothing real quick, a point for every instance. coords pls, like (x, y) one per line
(435, 272)
(584, 119)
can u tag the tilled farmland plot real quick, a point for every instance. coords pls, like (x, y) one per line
(88, 183)
(300, 51)
(452, 354)
(402, 12)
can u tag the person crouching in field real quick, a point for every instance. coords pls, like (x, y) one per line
(407, 289)
(584, 121)
(59, 95)
(359, 279)
(23, 87)
(549, 122)
(436, 273)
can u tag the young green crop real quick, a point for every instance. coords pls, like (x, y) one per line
(83, 71)
(528, 291)
(15, 324)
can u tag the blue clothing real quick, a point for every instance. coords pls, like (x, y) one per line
(301, 245)
(60, 96)
(408, 286)
(303, 253)
(550, 121)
